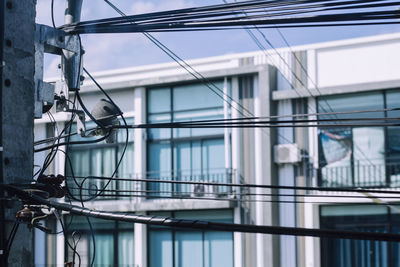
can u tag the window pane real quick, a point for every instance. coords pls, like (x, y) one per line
(335, 157)
(126, 249)
(218, 248)
(159, 133)
(159, 100)
(197, 96)
(211, 114)
(393, 101)
(104, 250)
(188, 249)
(351, 102)
(160, 248)
(159, 166)
(369, 156)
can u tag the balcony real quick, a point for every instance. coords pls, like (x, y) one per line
(360, 175)
(182, 184)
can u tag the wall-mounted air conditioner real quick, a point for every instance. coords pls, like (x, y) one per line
(287, 153)
(204, 190)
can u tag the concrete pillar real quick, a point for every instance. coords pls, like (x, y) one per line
(140, 137)
(17, 23)
(287, 211)
(140, 245)
(238, 238)
(266, 245)
(140, 170)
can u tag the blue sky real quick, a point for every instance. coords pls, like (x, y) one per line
(110, 51)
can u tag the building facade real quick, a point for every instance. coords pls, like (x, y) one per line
(349, 75)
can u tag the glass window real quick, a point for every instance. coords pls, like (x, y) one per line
(114, 241)
(366, 218)
(185, 154)
(100, 160)
(353, 156)
(173, 247)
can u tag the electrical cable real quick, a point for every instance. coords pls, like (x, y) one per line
(228, 194)
(10, 239)
(75, 252)
(248, 185)
(39, 142)
(73, 143)
(199, 224)
(303, 68)
(188, 22)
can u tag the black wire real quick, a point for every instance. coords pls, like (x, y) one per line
(75, 252)
(39, 142)
(52, 14)
(247, 185)
(203, 225)
(228, 194)
(10, 239)
(73, 143)
(173, 24)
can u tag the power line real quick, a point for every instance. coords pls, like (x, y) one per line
(245, 185)
(199, 224)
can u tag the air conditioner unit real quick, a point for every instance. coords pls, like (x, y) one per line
(287, 153)
(197, 190)
(206, 191)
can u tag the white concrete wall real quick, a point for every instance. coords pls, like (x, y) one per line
(358, 63)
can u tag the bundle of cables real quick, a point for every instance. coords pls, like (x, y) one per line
(261, 14)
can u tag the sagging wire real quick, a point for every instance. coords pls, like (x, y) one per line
(227, 195)
(199, 224)
(46, 140)
(248, 185)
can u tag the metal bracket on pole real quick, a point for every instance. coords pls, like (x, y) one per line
(52, 41)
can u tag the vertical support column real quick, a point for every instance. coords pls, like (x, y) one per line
(140, 245)
(60, 250)
(17, 97)
(286, 174)
(227, 138)
(267, 251)
(140, 170)
(238, 238)
(140, 137)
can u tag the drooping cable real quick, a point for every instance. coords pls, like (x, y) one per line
(199, 224)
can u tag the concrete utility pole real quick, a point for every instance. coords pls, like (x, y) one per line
(17, 23)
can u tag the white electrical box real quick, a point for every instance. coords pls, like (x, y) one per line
(287, 153)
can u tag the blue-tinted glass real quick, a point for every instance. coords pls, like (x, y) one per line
(104, 250)
(218, 249)
(159, 100)
(159, 166)
(122, 132)
(159, 133)
(188, 249)
(160, 248)
(209, 215)
(198, 96)
(351, 102)
(213, 156)
(126, 249)
(392, 102)
(210, 114)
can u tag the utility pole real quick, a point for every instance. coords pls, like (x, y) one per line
(23, 98)
(17, 90)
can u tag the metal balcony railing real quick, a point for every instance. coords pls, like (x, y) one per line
(184, 184)
(191, 183)
(360, 175)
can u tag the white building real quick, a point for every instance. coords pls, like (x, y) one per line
(356, 74)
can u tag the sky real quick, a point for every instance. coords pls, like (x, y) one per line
(112, 51)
